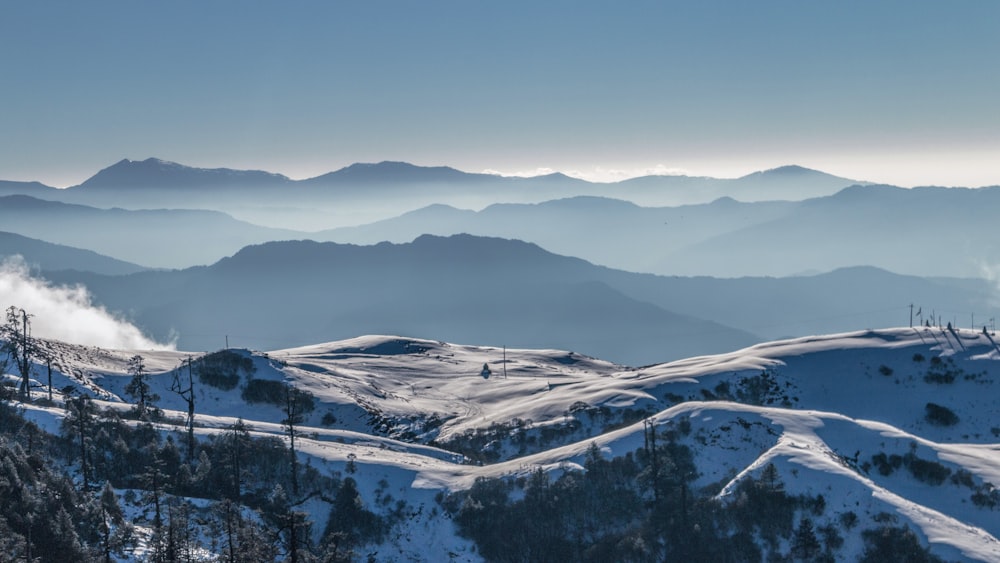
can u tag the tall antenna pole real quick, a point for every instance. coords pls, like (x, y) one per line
(227, 336)
(911, 315)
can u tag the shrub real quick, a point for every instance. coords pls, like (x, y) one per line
(942, 371)
(926, 471)
(761, 389)
(886, 464)
(848, 519)
(885, 370)
(273, 392)
(889, 544)
(222, 369)
(939, 415)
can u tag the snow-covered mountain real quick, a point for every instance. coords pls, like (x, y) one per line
(894, 425)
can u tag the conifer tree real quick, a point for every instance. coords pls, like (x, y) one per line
(78, 426)
(138, 387)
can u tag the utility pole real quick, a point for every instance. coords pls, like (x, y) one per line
(227, 342)
(505, 361)
(911, 315)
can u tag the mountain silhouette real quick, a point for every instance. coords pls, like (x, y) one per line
(473, 289)
(50, 257)
(157, 173)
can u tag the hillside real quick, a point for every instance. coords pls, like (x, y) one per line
(846, 418)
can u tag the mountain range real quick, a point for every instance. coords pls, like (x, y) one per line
(488, 290)
(724, 238)
(363, 192)
(919, 231)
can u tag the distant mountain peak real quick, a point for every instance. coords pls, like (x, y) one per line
(160, 173)
(785, 171)
(391, 171)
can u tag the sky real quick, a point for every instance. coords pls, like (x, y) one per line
(902, 92)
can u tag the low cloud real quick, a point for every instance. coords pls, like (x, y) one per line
(67, 314)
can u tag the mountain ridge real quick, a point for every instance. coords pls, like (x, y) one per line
(156, 171)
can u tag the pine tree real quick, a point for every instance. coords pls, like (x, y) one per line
(138, 388)
(234, 447)
(290, 524)
(153, 481)
(115, 532)
(805, 544)
(78, 426)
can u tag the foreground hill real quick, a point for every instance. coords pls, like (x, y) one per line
(888, 430)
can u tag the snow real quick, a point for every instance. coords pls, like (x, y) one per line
(837, 400)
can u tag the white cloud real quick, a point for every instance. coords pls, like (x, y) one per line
(66, 313)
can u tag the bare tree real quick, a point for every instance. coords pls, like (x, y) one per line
(186, 393)
(294, 415)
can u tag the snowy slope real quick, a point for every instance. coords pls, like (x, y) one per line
(822, 409)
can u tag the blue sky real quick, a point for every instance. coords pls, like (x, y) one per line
(896, 91)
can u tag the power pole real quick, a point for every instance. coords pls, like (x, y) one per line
(505, 361)
(911, 315)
